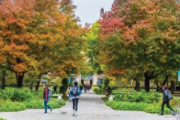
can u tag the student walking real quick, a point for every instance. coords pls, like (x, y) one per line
(166, 99)
(47, 94)
(55, 89)
(75, 93)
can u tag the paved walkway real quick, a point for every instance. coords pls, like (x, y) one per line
(91, 107)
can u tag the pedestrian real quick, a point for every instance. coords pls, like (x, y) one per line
(75, 93)
(81, 87)
(85, 88)
(46, 96)
(55, 89)
(166, 99)
(89, 87)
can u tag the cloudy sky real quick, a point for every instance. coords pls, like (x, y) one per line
(89, 10)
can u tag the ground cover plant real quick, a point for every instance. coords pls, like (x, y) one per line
(140, 101)
(20, 99)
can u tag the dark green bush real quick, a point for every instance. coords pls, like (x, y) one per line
(19, 99)
(139, 97)
(15, 94)
(140, 101)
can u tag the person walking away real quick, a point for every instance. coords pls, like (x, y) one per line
(75, 93)
(85, 88)
(81, 87)
(166, 99)
(55, 89)
(47, 94)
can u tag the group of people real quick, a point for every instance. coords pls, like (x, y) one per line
(86, 88)
(75, 93)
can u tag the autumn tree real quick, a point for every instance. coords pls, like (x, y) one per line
(39, 38)
(140, 36)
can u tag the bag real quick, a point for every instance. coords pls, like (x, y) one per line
(169, 95)
(50, 94)
(74, 91)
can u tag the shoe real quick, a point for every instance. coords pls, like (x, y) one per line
(73, 112)
(161, 114)
(174, 113)
(45, 112)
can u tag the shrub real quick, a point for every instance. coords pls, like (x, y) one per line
(156, 108)
(34, 103)
(9, 106)
(139, 97)
(18, 99)
(99, 91)
(15, 94)
(39, 104)
(133, 106)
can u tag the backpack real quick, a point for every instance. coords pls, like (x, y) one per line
(169, 95)
(50, 94)
(74, 91)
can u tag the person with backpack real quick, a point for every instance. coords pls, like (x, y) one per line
(167, 96)
(47, 94)
(75, 93)
(55, 89)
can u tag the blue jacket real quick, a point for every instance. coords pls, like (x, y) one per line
(74, 97)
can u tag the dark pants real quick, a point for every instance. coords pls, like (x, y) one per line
(167, 103)
(75, 103)
(46, 106)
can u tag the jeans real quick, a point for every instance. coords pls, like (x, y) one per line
(46, 106)
(163, 103)
(75, 103)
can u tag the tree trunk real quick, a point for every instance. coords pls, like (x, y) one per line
(31, 86)
(158, 89)
(147, 82)
(19, 78)
(38, 82)
(3, 79)
(137, 86)
(37, 85)
(165, 80)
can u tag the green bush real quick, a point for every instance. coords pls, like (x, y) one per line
(99, 91)
(141, 101)
(39, 104)
(9, 106)
(132, 106)
(20, 99)
(15, 94)
(34, 103)
(156, 108)
(152, 97)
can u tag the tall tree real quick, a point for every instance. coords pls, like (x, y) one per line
(141, 36)
(38, 36)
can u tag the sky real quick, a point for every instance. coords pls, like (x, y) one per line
(89, 10)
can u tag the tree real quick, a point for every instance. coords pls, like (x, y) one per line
(38, 36)
(132, 35)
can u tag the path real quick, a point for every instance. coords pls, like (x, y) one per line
(91, 107)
